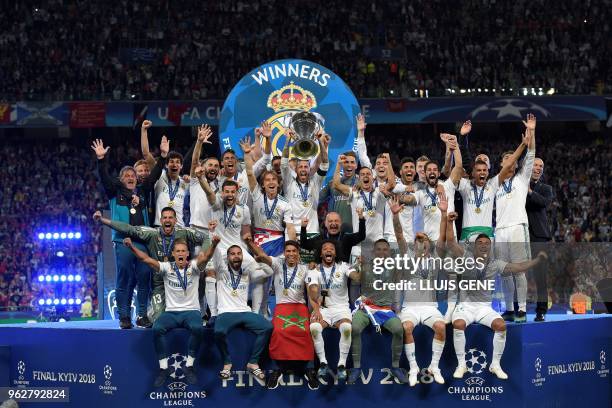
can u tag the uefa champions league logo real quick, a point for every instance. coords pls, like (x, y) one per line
(176, 363)
(602, 357)
(509, 107)
(21, 367)
(538, 364)
(108, 372)
(476, 361)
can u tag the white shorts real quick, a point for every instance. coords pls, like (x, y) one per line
(416, 315)
(475, 313)
(332, 315)
(512, 243)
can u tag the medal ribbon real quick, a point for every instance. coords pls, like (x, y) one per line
(235, 282)
(182, 278)
(172, 191)
(432, 196)
(478, 197)
(331, 276)
(508, 187)
(226, 219)
(287, 283)
(166, 249)
(367, 203)
(269, 212)
(303, 190)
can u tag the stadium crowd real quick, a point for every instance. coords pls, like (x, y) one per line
(103, 50)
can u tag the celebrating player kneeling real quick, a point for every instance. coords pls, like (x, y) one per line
(475, 305)
(332, 307)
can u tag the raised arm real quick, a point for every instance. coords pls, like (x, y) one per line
(525, 266)
(536, 201)
(156, 172)
(362, 150)
(141, 233)
(144, 143)
(204, 135)
(245, 146)
(210, 194)
(396, 208)
(443, 207)
(142, 256)
(451, 241)
(324, 141)
(205, 256)
(506, 171)
(457, 170)
(110, 184)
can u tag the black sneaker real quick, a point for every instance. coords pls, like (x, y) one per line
(521, 317)
(311, 379)
(508, 316)
(125, 323)
(161, 378)
(273, 378)
(144, 322)
(190, 375)
(540, 317)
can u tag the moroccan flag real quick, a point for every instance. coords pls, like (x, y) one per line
(291, 335)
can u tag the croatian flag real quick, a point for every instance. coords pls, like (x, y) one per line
(378, 314)
(272, 242)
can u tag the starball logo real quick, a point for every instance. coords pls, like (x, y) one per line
(108, 388)
(539, 379)
(21, 371)
(475, 388)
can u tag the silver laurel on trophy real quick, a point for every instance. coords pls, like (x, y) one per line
(306, 125)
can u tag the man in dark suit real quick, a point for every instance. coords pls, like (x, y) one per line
(539, 198)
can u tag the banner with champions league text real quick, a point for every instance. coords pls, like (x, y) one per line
(278, 89)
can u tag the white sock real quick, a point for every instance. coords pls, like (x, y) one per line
(508, 288)
(459, 343)
(211, 294)
(521, 291)
(257, 294)
(410, 355)
(163, 363)
(499, 343)
(437, 347)
(316, 331)
(190, 361)
(345, 342)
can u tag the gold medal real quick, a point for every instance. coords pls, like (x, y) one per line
(285, 292)
(306, 204)
(337, 275)
(234, 292)
(268, 222)
(132, 211)
(171, 203)
(371, 213)
(509, 195)
(477, 210)
(433, 210)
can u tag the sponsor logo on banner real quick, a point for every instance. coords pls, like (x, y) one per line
(475, 388)
(21, 371)
(539, 379)
(603, 371)
(87, 114)
(177, 394)
(278, 89)
(108, 388)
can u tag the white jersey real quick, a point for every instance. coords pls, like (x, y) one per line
(230, 222)
(373, 204)
(335, 282)
(162, 197)
(512, 195)
(406, 215)
(199, 207)
(286, 282)
(178, 298)
(480, 297)
(279, 209)
(243, 186)
(233, 286)
(431, 213)
(423, 279)
(294, 191)
(483, 217)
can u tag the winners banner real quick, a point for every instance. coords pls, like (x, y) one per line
(275, 91)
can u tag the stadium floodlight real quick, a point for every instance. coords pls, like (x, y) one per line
(60, 254)
(48, 301)
(70, 278)
(70, 301)
(78, 301)
(41, 235)
(462, 90)
(41, 302)
(63, 235)
(77, 235)
(70, 235)
(63, 278)
(551, 91)
(56, 235)
(56, 301)
(48, 235)
(77, 278)
(41, 278)
(63, 301)
(48, 278)
(55, 278)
